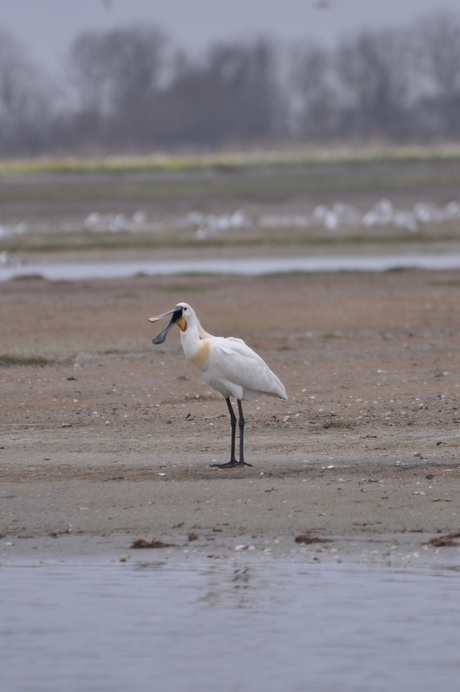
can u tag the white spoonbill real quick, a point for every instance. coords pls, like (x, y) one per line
(228, 366)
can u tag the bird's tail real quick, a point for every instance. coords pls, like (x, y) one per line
(279, 391)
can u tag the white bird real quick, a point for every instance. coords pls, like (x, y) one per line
(228, 366)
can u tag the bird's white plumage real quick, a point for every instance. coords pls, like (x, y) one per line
(228, 365)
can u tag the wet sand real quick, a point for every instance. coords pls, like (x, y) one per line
(114, 439)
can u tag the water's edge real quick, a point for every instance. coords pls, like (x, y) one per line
(255, 266)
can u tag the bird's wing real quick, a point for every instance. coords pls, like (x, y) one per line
(236, 341)
(241, 365)
(225, 349)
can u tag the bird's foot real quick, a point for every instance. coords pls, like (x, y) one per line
(231, 465)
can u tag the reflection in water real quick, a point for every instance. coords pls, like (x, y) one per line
(243, 624)
(240, 587)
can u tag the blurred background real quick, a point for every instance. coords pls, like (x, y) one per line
(270, 122)
(119, 76)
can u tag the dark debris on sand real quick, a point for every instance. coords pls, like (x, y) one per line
(447, 540)
(142, 543)
(306, 538)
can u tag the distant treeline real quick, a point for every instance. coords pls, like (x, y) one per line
(127, 90)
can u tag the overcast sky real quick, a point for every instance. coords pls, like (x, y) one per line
(47, 27)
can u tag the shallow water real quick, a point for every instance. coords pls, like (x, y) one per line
(218, 625)
(255, 266)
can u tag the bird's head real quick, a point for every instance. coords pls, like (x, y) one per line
(181, 314)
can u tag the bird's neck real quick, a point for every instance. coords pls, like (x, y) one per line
(202, 333)
(190, 335)
(196, 348)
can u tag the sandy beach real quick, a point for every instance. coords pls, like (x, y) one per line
(113, 439)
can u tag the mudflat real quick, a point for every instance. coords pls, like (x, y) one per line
(105, 436)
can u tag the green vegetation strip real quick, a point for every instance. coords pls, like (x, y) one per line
(240, 189)
(226, 161)
(445, 282)
(283, 239)
(8, 360)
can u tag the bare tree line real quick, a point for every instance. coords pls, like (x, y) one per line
(125, 90)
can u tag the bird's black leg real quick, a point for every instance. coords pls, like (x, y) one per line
(233, 463)
(241, 427)
(233, 422)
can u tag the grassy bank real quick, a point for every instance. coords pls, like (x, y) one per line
(229, 160)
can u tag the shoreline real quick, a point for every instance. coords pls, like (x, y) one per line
(393, 551)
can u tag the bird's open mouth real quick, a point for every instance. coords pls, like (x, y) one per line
(176, 314)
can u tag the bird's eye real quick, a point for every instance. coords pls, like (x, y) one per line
(185, 309)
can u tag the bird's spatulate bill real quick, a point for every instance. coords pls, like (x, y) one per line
(176, 315)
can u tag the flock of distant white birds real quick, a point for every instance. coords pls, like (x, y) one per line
(332, 218)
(208, 226)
